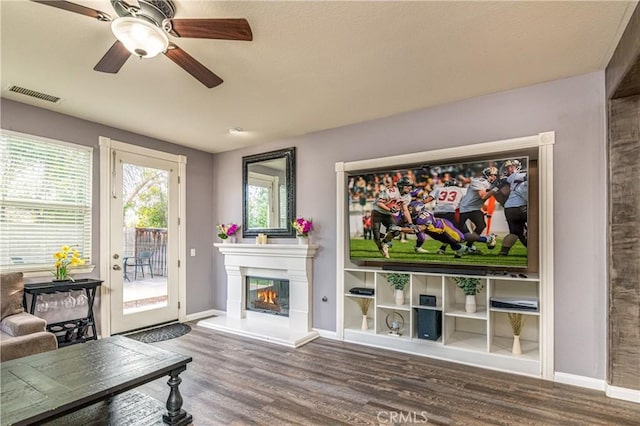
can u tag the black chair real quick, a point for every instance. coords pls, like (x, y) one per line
(125, 263)
(138, 262)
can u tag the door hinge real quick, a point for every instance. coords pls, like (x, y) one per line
(178, 221)
(178, 180)
(178, 304)
(178, 263)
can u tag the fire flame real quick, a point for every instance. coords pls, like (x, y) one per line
(267, 296)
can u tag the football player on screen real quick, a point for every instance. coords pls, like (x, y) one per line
(415, 208)
(447, 199)
(515, 207)
(392, 200)
(471, 204)
(425, 223)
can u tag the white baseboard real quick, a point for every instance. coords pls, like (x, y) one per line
(204, 314)
(615, 392)
(625, 394)
(327, 333)
(583, 382)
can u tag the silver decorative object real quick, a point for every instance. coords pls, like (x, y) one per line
(395, 323)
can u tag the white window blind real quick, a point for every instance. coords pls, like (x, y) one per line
(45, 200)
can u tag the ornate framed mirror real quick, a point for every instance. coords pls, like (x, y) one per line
(269, 194)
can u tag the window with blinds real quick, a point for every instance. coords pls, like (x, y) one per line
(45, 200)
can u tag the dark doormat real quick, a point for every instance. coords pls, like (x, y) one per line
(159, 334)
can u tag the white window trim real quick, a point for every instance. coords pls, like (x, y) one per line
(39, 273)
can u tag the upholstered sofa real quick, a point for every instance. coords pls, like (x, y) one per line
(21, 333)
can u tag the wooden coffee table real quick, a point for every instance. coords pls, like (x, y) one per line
(52, 384)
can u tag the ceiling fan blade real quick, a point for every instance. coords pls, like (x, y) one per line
(193, 67)
(76, 8)
(224, 29)
(114, 59)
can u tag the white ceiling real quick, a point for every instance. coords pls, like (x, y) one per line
(312, 65)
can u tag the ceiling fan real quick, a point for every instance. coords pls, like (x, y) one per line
(143, 31)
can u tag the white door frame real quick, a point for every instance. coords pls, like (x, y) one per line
(107, 145)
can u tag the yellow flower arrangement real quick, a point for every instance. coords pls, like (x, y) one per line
(65, 259)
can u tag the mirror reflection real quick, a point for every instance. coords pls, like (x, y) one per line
(269, 204)
(267, 194)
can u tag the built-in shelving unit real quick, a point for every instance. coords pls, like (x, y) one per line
(482, 338)
(487, 332)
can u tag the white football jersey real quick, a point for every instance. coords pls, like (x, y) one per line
(447, 198)
(472, 200)
(519, 190)
(391, 197)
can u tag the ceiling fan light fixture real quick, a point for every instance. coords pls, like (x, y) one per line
(140, 37)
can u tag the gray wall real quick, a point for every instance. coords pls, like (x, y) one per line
(574, 108)
(200, 230)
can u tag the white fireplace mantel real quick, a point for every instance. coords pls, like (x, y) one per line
(282, 261)
(260, 251)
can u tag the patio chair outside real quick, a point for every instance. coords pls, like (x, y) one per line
(138, 263)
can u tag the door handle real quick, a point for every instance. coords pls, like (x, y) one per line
(116, 267)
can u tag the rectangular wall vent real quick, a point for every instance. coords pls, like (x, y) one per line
(34, 94)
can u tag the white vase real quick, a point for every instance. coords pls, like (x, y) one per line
(303, 241)
(365, 323)
(516, 350)
(226, 241)
(470, 303)
(232, 239)
(399, 297)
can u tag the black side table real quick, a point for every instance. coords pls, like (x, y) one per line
(74, 330)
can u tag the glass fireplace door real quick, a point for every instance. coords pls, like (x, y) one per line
(268, 295)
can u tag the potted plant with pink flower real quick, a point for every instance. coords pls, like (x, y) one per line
(227, 232)
(303, 227)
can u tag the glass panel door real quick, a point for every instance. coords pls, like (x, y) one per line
(144, 287)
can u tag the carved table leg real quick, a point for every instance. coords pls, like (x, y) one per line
(176, 415)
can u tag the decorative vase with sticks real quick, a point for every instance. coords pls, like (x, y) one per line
(517, 322)
(364, 303)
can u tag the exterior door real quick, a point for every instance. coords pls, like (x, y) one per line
(143, 241)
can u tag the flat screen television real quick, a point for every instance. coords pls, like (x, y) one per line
(446, 212)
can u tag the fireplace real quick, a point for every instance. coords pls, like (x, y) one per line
(282, 314)
(267, 295)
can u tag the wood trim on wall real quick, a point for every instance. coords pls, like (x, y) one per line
(624, 239)
(622, 86)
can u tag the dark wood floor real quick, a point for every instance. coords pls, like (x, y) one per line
(237, 381)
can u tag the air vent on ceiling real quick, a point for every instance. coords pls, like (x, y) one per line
(34, 94)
